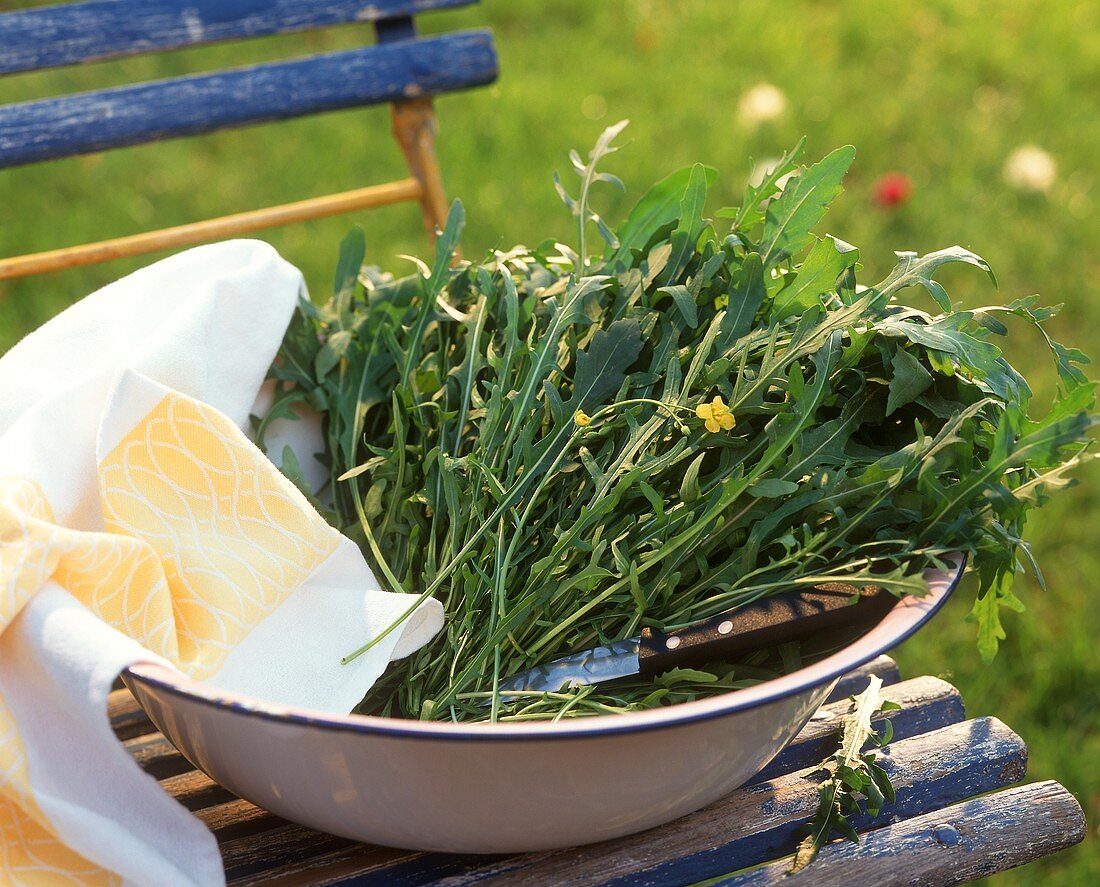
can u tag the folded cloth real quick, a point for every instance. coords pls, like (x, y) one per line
(140, 524)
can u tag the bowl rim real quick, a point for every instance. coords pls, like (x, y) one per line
(900, 623)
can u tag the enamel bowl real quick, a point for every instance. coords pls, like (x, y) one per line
(502, 788)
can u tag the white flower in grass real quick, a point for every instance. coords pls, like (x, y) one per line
(1030, 168)
(762, 103)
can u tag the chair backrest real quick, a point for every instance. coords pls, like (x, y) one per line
(402, 68)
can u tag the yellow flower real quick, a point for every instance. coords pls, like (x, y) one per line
(582, 419)
(721, 302)
(715, 415)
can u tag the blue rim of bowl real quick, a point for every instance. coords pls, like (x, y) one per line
(580, 728)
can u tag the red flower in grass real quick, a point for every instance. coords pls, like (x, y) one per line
(892, 189)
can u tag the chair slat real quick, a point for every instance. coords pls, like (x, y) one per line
(954, 846)
(287, 845)
(128, 719)
(95, 121)
(236, 818)
(70, 33)
(855, 682)
(157, 756)
(195, 790)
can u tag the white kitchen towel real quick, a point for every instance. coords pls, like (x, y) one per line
(139, 523)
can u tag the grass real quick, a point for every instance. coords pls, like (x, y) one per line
(942, 91)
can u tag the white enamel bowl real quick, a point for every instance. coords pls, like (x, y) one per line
(508, 787)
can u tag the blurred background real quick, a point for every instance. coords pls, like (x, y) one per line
(976, 123)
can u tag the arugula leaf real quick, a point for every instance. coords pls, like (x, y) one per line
(980, 359)
(826, 261)
(912, 270)
(446, 244)
(772, 488)
(801, 205)
(352, 250)
(562, 458)
(691, 222)
(601, 368)
(851, 773)
(681, 296)
(986, 613)
(659, 208)
(589, 174)
(746, 294)
(909, 381)
(755, 194)
(335, 348)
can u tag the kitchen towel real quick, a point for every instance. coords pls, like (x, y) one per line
(139, 523)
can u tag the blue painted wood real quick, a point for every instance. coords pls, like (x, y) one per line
(855, 681)
(957, 845)
(71, 33)
(95, 121)
(929, 772)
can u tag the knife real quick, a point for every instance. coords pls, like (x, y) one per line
(792, 616)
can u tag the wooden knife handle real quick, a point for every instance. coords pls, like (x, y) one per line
(775, 620)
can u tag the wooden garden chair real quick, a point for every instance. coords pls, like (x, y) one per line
(959, 814)
(402, 69)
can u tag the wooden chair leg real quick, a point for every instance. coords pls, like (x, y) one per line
(414, 127)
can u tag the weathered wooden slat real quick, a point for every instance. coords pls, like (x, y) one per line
(389, 868)
(195, 790)
(750, 826)
(157, 756)
(95, 121)
(403, 868)
(71, 33)
(856, 680)
(962, 843)
(254, 854)
(128, 719)
(237, 818)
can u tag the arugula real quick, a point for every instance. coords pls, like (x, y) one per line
(565, 446)
(852, 773)
(800, 206)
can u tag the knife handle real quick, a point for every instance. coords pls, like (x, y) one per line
(775, 620)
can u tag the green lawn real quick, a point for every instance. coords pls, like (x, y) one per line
(942, 91)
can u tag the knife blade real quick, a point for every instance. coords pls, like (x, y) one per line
(792, 616)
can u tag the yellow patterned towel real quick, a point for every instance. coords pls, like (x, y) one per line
(138, 523)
